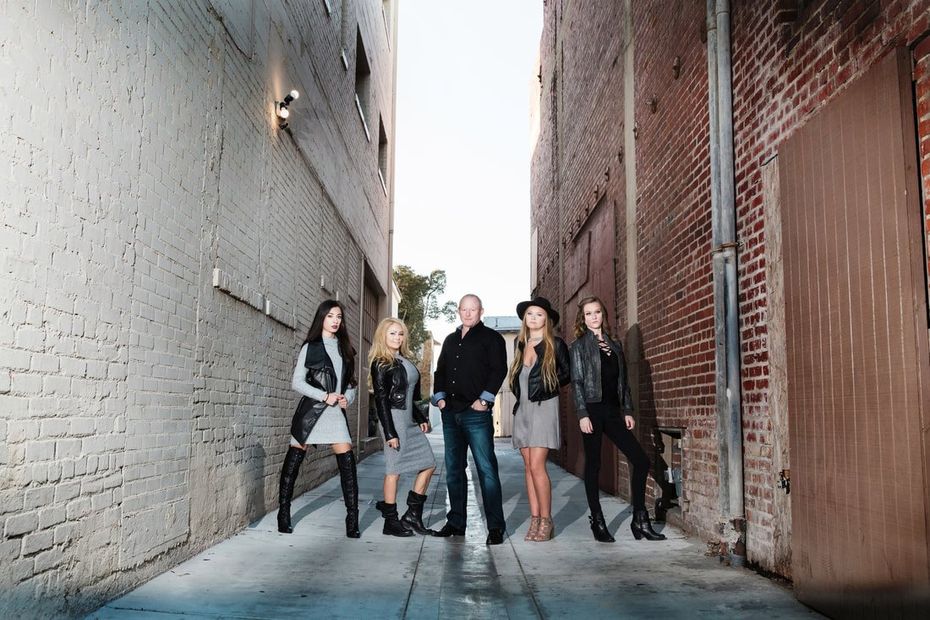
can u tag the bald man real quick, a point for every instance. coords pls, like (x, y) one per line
(470, 371)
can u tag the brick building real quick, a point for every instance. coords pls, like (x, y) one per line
(826, 253)
(164, 242)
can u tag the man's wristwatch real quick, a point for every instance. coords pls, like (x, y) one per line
(484, 403)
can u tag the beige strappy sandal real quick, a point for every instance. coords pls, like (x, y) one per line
(534, 529)
(546, 530)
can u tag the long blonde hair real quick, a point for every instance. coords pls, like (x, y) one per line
(549, 375)
(379, 350)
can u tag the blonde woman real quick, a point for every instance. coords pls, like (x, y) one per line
(395, 382)
(538, 372)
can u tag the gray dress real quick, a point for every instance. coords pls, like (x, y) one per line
(414, 454)
(536, 425)
(331, 427)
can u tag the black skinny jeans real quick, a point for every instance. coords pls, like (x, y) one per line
(607, 420)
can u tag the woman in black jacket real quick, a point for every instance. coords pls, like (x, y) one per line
(537, 373)
(604, 406)
(325, 377)
(395, 382)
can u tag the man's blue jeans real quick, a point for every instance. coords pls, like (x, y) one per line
(474, 429)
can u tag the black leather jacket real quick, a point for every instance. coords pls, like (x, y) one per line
(537, 387)
(322, 375)
(389, 384)
(586, 374)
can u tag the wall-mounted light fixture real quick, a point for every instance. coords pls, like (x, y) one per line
(281, 108)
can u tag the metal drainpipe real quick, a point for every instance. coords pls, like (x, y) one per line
(726, 302)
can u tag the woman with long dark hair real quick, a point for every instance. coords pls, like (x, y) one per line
(325, 377)
(605, 407)
(540, 367)
(395, 382)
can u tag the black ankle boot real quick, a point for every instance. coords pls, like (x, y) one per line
(349, 479)
(292, 461)
(413, 518)
(392, 525)
(642, 527)
(599, 528)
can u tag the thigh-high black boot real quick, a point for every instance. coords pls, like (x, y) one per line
(292, 461)
(349, 479)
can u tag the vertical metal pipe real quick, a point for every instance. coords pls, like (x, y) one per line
(728, 238)
(714, 124)
(734, 392)
(629, 168)
(726, 300)
(720, 379)
(725, 123)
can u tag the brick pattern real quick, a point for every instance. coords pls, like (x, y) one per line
(673, 229)
(144, 413)
(590, 53)
(922, 95)
(789, 59)
(581, 163)
(544, 214)
(797, 69)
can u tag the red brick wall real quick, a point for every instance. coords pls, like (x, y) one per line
(545, 213)
(675, 291)
(788, 61)
(783, 72)
(922, 92)
(577, 161)
(591, 53)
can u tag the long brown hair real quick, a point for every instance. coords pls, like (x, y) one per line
(549, 375)
(580, 327)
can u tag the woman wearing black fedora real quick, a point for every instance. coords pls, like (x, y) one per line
(604, 407)
(536, 375)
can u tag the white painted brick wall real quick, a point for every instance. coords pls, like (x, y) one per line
(143, 412)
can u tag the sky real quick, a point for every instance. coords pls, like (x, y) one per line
(462, 146)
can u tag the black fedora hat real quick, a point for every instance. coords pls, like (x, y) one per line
(540, 302)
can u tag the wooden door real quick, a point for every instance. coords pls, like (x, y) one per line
(857, 353)
(590, 271)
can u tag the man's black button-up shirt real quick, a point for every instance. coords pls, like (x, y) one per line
(470, 368)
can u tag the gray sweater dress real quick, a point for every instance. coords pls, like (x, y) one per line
(536, 425)
(331, 427)
(414, 454)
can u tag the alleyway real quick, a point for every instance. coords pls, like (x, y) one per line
(318, 573)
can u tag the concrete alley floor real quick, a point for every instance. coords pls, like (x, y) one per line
(317, 572)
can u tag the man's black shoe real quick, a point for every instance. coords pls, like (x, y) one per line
(449, 530)
(495, 536)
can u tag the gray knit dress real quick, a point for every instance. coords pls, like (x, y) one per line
(331, 427)
(536, 425)
(414, 454)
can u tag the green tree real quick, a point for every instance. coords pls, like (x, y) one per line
(419, 303)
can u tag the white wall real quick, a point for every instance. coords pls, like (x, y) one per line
(143, 410)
